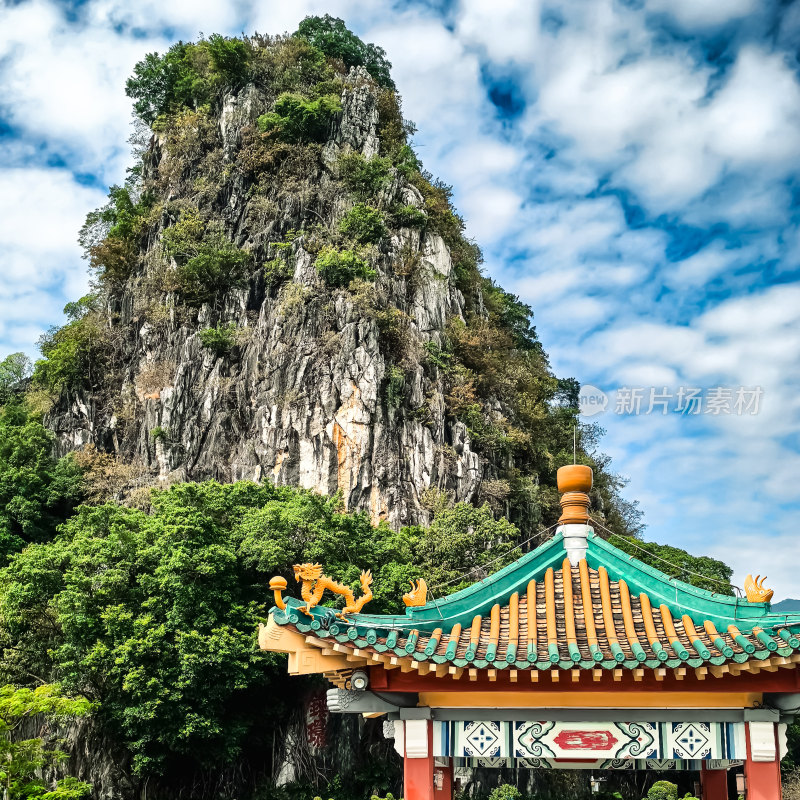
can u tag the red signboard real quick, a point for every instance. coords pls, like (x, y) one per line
(585, 740)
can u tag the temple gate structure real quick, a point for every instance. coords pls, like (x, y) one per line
(575, 656)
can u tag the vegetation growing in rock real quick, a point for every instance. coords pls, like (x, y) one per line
(340, 267)
(298, 119)
(23, 760)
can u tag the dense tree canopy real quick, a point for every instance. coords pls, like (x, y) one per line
(37, 492)
(333, 38)
(144, 612)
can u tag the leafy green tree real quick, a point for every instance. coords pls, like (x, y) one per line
(21, 760)
(297, 119)
(37, 492)
(154, 615)
(462, 544)
(702, 571)
(187, 76)
(332, 37)
(14, 369)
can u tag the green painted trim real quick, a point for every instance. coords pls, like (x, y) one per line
(597, 654)
(391, 640)
(679, 597)
(554, 654)
(616, 651)
(574, 652)
(491, 652)
(411, 642)
(511, 652)
(787, 637)
(452, 646)
(745, 644)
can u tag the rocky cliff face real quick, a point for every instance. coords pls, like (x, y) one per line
(316, 391)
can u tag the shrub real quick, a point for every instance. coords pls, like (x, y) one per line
(220, 340)
(505, 792)
(298, 119)
(395, 386)
(276, 271)
(664, 790)
(218, 266)
(339, 267)
(159, 433)
(363, 223)
(364, 177)
(441, 359)
(331, 36)
(109, 234)
(409, 217)
(207, 262)
(70, 354)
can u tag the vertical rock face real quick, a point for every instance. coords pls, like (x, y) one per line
(325, 388)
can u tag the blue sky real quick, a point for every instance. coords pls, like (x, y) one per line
(630, 169)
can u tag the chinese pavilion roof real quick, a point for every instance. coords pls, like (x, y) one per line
(609, 611)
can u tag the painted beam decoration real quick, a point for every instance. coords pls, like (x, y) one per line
(600, 764)
(589, 740)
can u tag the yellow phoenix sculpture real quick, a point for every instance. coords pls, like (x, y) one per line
(755, 591)
(314, 584)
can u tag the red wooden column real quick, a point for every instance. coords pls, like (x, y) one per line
(418, 760)
(714, 783)
(762, 773)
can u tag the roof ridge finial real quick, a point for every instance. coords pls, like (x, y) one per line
(574, 482)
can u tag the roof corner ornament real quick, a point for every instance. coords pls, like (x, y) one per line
(575, 483)
(313, 586)
(418, 595)
(278, 586)
(755, 591)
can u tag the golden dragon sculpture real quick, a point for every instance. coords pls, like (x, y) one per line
(314, 584)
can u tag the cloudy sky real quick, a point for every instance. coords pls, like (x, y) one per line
(629, 167)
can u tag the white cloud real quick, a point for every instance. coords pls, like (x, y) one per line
(708, 13)
(505, 29)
